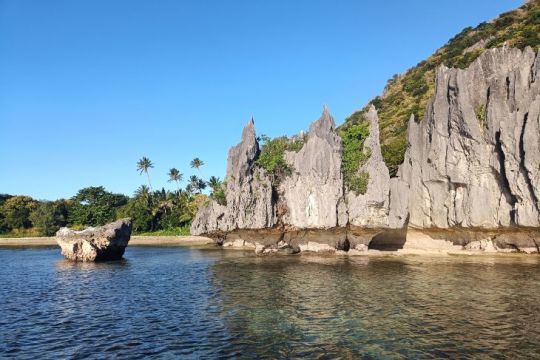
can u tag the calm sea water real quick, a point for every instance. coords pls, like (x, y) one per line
(174, 302)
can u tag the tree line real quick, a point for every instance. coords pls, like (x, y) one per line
(150, 210)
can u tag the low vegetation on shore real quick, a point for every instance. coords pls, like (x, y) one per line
(153, 212)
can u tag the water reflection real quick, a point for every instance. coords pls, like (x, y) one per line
(180, 302)
(380, 307)
(67, 265)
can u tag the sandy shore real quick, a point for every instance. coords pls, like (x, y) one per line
(135, 241)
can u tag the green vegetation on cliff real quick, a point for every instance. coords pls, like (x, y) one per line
(354, 154)
(271, 157)
(408, 94)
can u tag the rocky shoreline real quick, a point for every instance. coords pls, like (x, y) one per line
(470, 180)
(343, 241)
(393, 248)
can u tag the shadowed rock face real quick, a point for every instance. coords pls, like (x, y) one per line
(103, 243)
(470, 179)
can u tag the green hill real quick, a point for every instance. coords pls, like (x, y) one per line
(409, 93)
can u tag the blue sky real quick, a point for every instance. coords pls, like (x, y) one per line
(88, 87)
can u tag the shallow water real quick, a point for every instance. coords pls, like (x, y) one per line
(172, 302)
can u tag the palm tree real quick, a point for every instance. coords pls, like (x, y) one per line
(176, 176)
(218, 190)
(214, 183)
(142, 192)
(196, 184)
(201, 185)
(193, 181)
(143, 165)
(196, 163)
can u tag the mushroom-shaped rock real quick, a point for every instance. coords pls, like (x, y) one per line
(102, 243)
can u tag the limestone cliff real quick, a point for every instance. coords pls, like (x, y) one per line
(313, 193)
(371, 210)
(470, 179)
(250, 203)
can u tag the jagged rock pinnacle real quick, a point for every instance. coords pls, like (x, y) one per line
(324, 125)
(248, 134)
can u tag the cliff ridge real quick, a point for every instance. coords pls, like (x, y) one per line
(470, 179)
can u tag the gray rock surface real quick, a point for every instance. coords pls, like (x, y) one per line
(371, 210)
(248, 192)
(466, 169)
(312, 194)
(472, 167)
(102, 243)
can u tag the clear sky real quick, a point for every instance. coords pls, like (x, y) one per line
(88, 87)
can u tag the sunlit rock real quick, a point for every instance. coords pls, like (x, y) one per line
(470, 179)
(102, 243)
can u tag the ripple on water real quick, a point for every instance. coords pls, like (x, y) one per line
(171, 302)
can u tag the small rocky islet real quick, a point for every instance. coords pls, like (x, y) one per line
(104, 243)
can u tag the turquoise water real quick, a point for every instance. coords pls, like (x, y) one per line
(174, 302)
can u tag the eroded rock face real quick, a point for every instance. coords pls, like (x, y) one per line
(470, 179)
(484, 240)
(312, 194)
(249, 193)
(371, 210)
(311, 197)
(102, 243)
(473, 162)
(249, 190)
